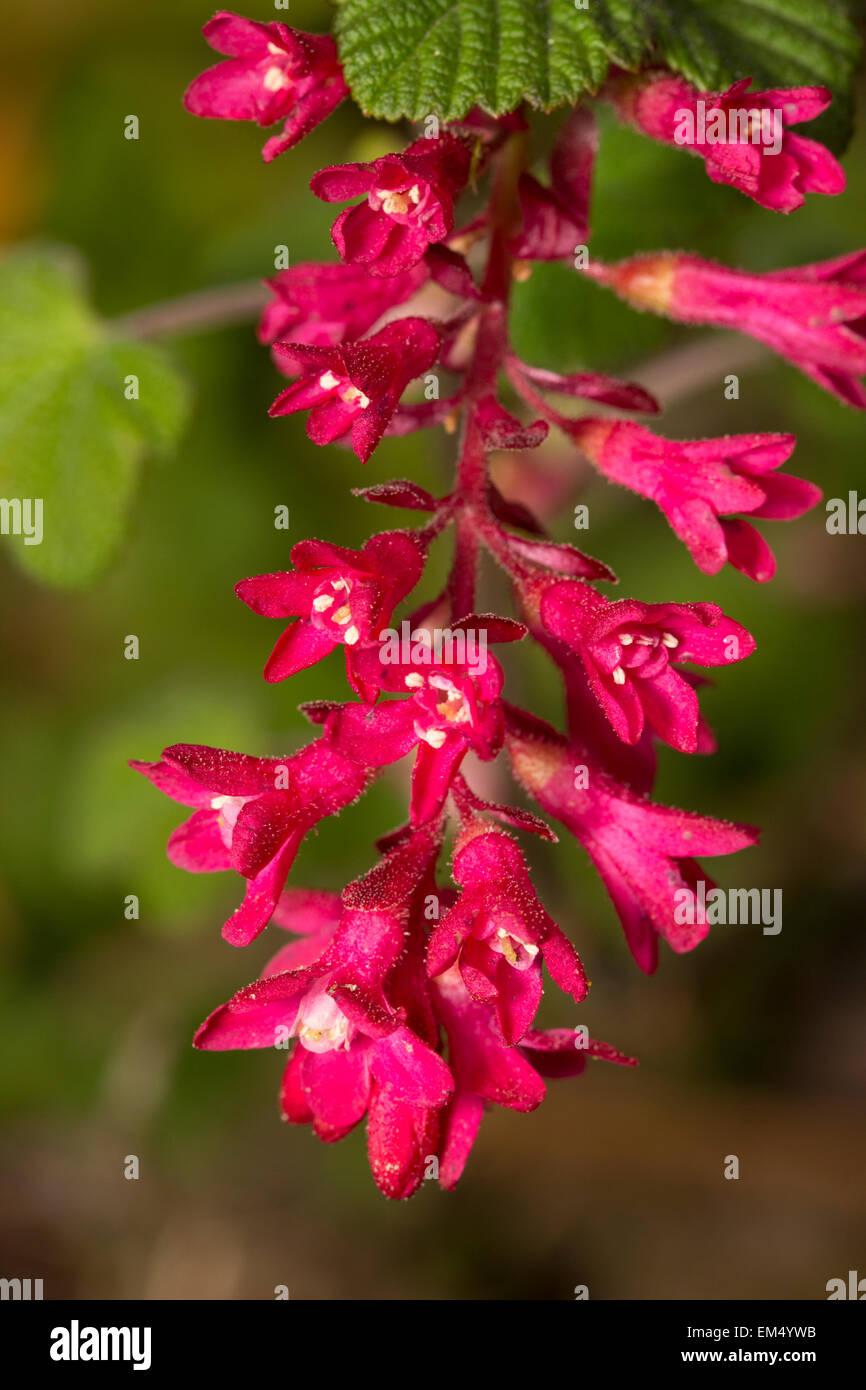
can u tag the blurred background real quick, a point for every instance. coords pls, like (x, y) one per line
(753, 1045)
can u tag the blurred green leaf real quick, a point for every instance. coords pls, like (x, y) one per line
(73, 425)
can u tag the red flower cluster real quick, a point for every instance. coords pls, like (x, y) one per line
(404, 999)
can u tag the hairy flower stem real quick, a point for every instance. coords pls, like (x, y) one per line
(488, 358)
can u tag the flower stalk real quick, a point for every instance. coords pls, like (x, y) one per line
(410, 998)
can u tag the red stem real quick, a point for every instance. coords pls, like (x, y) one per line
(469, 498)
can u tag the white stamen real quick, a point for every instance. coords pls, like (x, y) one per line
(668, 640)
(626, 639)
(443, 683)
(275, 80)
(392, 203)
(414, 680)
(618, 675)
(645, 641)
(328, 381)
(415, 193)
(528, 946)
(321, 1025)
(352, 635)
(353, 396)
(510, 946)
(435, 737)
(322, 602)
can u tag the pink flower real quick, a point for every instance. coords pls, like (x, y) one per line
(328, 304)
(486, 1071)
(273, 73)
(454, 706)
(556, 219)
(643, 852)
(409, 203)
(628, 650)
(251, 815)
(353, 390)
(356, 1054)
(700, 484)
(742, 136)
(498, 933)
(815, 315)
(341, 597)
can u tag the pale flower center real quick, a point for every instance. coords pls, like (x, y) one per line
(339, 620)
(351, 395)
(321, 1025)
(396, 204)
(519, 953)
(275, 80)
(453, 709)
(228, 809)
(631, 643)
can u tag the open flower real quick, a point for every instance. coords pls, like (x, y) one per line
(815, 315)
(251, 815)
(700, 484)
(743, 137)
(355, 1055)
(273, 73)
(486, 1071)
(453, 706)
(341, 597)
(353, 390)
(629, 651)
(409, 203)
(498, 933)
(643, 852)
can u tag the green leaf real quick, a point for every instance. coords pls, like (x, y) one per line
(415, 58)
(418, 57)
(72, 431)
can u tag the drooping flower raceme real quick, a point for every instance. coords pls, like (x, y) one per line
(407, 1000)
